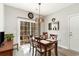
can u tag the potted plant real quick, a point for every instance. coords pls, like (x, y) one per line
(9, 37)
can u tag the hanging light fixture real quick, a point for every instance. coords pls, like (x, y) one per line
(39, 21)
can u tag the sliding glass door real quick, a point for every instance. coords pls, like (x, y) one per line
(24, 32)
(27, 29)
(33, 28)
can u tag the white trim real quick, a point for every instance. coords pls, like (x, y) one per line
(32, 21)
(63, 46)
(18, 31)
(77, 14)
(69, 30)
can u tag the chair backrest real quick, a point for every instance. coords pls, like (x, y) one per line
(31, 39)
(45, 34)
(53, 36)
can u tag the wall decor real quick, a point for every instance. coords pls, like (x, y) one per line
(54, 25)
(58, 25)
(30, 15)
(53, 19)
(50, 26)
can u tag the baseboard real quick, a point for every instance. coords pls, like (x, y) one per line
(63, 46)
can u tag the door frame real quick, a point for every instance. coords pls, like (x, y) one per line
(18, 27)
(77, 14)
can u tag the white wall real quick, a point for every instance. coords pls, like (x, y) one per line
(1, 17)
(11, 19)
(63, 17)
(42, 27)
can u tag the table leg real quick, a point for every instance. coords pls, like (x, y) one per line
(33, 51)
(30, 48)
(17, 47)
(56, 50)
(49, 53)
(45, 51)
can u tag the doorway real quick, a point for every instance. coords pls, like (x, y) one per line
(25, 29)
(24, 32)
(74, 32)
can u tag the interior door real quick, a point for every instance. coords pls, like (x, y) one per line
(74, 33)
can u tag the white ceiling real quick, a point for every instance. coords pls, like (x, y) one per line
(45, 8)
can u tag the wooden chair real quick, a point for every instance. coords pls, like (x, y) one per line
(30, 41)
(45, 35)
(40, 48)
(32, 44)
(53, 36)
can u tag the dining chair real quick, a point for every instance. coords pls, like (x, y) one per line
(32, 44)
(45, 35)
(30, 41)
(40, 48)
(53, 36)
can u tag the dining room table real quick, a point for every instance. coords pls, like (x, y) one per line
(48, 42)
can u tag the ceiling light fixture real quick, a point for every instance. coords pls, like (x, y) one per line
(39, 21)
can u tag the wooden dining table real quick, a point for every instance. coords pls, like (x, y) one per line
(49, 42)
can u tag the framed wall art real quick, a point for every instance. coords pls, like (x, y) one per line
(54, 25)
(50, 26)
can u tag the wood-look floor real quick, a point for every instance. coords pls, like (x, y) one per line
(66, 52)
(24, 51)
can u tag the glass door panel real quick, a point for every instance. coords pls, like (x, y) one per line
(27, 29)
(24, 32)
(33, 28)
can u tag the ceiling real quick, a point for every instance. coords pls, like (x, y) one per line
(45, 8)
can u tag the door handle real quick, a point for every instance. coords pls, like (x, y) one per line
(70, 34)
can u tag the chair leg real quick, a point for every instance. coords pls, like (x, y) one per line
(49, 53)
(17, 47)
(41, 54)
(30, 49)
(44, 54)
(33, 51)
